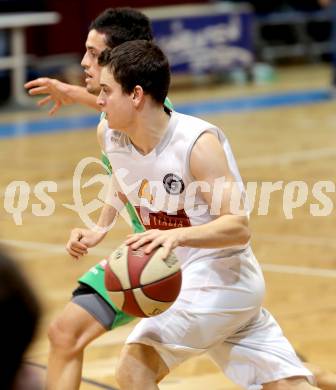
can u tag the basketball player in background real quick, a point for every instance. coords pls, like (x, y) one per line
(90, 313)
(219, 307)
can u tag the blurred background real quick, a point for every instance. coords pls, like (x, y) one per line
(268, 34)
(262, 71)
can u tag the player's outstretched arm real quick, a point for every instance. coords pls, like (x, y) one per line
(59, 93)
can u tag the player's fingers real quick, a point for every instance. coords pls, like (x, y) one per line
(79, 246)
(75, 235)
(38, 91)
(141, 241)
(167, 248)
(154, 244)
(71, 252)
(76, 245)
(77, 251)
(44, 101)
(132, 238)
(29, 84)
(37, 82)
(32, 83)
(74, 255)
(55, 108)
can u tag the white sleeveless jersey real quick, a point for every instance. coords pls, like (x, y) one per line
(160, 186)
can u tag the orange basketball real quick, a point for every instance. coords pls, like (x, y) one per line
(140, 284)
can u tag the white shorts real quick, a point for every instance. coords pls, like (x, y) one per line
(219, 312)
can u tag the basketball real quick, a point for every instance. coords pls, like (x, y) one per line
(140, 284)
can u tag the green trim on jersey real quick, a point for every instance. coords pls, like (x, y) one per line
(106, 162)
(168, 104)
(137, 225)
(95, 276)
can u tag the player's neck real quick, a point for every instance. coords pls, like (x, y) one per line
(150, 127)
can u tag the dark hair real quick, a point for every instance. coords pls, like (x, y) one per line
(20, 312)
(121, 25)
(139, 63)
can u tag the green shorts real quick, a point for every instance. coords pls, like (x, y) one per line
(95, 279)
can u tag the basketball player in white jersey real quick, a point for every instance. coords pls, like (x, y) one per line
(178, 159)
(80, 322)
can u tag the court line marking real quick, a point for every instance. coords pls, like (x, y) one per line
(275, 268)
(83, 379)
(49, 248)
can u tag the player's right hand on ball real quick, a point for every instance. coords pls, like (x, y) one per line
(82, 239)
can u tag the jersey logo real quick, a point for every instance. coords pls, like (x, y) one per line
(144, 191)
(162, 220)
(173, 184)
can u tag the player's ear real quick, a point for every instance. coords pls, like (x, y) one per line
(137, 95)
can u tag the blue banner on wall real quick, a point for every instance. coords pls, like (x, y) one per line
(206, 43)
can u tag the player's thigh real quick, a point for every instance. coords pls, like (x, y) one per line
(75, 324)
(215, 301)
(259, 353)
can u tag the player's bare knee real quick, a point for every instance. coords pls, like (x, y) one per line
(63, 338)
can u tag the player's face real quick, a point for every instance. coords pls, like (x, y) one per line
(118, 105)
(95, 44)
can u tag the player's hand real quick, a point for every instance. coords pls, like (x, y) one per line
(57, 92)
(82, 239)
(168, 239)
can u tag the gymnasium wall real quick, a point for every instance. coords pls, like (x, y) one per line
(69, 35)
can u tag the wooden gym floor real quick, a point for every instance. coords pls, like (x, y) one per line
(298, 255)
